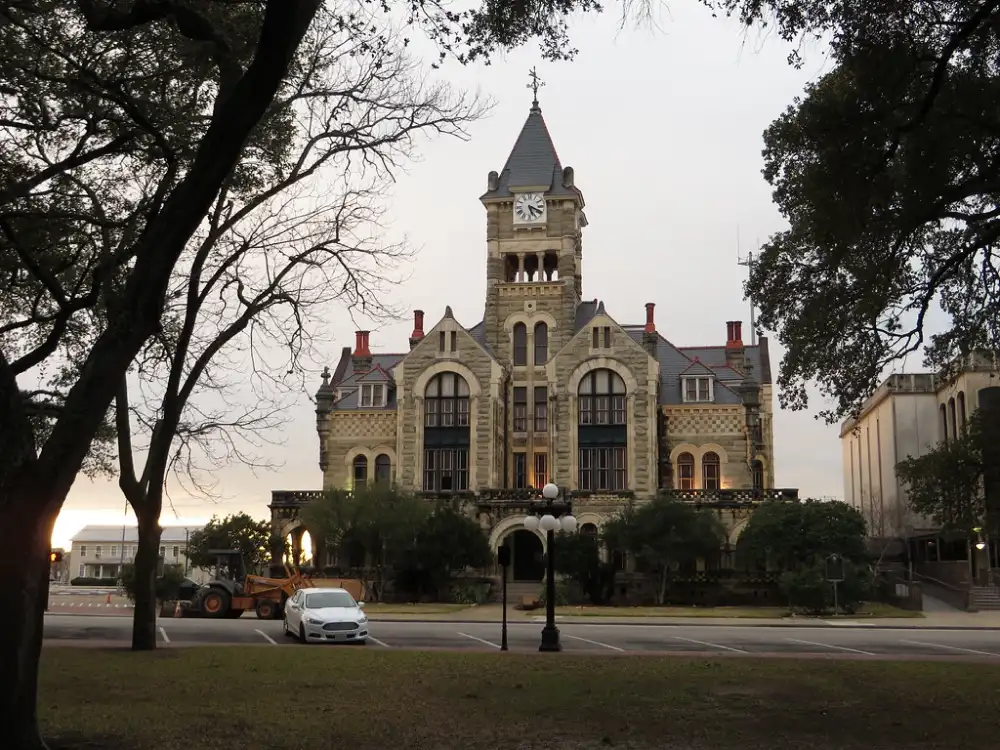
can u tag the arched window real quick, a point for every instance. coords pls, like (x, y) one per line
(953, 418)
(962, 414)
(602, 432)
(685, 471)
(541, 344)
(710, 476)
(944, 424)
(520, 344)
(446, 433)
(757, 470)
(360, 471)
(383, 469)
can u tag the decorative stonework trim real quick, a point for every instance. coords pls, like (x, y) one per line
(508, 526)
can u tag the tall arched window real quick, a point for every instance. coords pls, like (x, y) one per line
(685, 471)
(963, 416)
(520, 344)
(944, 424)
(446, 433)
(602, 432)
(757, 471)
(541, 344)
(383, 469)
(953, 418)
(710, 475)
(360, 471)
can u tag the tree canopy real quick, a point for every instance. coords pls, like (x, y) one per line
(885, 172)
(237, 531)
(793, 536)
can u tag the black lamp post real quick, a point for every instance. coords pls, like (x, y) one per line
(553, 516)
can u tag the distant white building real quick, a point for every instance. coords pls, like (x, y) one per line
(906, 416)
(101, 551)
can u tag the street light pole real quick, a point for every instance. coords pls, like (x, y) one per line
(554, 516)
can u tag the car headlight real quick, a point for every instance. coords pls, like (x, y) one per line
(313, 621)
(362, 620)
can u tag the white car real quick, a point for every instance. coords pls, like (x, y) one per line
(325, 616)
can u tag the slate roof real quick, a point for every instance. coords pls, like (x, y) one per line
(348, 378)
(113, 534)
(533, 162)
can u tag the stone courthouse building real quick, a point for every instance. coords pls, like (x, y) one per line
(547, 387)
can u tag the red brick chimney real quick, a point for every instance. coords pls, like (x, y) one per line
(735, 351)
(362, 354)
(418, 328)
(649, 335)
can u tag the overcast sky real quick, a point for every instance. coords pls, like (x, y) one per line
(663, 127)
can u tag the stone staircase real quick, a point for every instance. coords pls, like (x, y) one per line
(984, 598)
(516, 591)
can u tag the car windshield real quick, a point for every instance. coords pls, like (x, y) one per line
(330, 599)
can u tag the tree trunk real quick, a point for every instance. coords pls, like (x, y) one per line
(662, 593)
(147, 557)
(25, 541)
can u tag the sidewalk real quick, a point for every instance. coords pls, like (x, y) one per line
(493, 613)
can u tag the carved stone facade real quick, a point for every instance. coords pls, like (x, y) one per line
(548, 386)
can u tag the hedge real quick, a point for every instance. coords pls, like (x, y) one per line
(105, 582)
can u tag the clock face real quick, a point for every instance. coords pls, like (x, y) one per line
(529, 207)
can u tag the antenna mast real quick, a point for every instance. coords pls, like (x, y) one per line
(748, 263)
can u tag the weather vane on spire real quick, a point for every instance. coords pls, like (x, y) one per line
(536, 83)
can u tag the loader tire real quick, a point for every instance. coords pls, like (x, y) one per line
(267, 610)
(215, 604)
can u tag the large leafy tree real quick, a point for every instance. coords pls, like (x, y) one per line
(665, 533)
(579, 558)
(238, 531)
(887, 174)
(793, 536)
(119, 124)
(946, 484)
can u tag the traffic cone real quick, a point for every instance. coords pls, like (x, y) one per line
(108, 599)
(177, 609)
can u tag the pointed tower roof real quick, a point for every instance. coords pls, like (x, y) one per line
(533, 164)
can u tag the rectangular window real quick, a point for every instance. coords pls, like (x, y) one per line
(446, 470)
(441, 341)
(431, 412)
(607, 337)
(372, 394)
(520, 409)
(685, 475)
(114, 550)
(520, 471)
(603, 470)
(177, 551)
(541, 410)
(97, 552)
(697, 390)
(462, 404)
(597, 338)
(83, 568)
(454, 341)
(541, 470)
(83, 550)
(711, 479)
(163, 551)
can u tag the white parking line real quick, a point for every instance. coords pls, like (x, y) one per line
(488, 643)
(953, 648)
(596, 643)
(713, 645)
(166, 639)
(265, 636)
(830, 645)
(380, 643)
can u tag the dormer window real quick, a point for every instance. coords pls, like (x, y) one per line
(698, 390)
(372, 395)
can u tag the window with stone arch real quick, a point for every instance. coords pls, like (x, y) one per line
(757, 474)
(360, 471)
(962, 414)
(685, 471)
(711, 476)
(446, 433)
(383, 469)
(602, 432)
(520, 353)
(541, 337)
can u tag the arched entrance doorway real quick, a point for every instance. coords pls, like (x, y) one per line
(527, 556)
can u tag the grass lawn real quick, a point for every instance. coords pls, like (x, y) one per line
(866, 611)
(372, 608)
(372, 699)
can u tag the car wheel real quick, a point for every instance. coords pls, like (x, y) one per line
(302, 633)
(284, 629)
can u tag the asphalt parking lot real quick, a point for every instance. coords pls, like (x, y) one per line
(608, 639)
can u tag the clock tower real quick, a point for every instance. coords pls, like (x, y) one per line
(534, 218)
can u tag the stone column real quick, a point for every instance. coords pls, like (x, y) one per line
(520, 266)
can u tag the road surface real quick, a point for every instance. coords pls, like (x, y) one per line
(524, 637)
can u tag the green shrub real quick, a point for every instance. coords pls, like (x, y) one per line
(562, 595)
(88, 581)
(470, 593)
(808, 590)
(167, 585)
